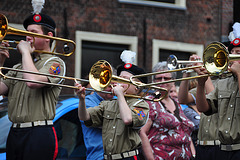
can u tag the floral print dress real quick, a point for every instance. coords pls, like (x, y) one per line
(170, 134)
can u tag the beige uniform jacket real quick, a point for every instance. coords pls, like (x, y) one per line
(208, 127)
(225, 100)
(117, 137)
(28, 105)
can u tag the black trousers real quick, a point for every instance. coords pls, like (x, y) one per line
(215, 153)
(38, 143)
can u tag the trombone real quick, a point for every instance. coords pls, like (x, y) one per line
(216, 59)
(6, 29)
(173, 62)
(100, 77)
(45, 83)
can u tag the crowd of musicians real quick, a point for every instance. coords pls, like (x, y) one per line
(196, 120)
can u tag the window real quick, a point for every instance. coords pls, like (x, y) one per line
(91, 47)
(94, 51)
(175, 4)
(162, 49)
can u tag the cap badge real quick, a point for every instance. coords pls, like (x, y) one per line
(128, 65)
(37, 18)
(236, 41)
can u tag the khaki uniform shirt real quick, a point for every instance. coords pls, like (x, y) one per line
(28, 105)
(208, 127)
(117, 137)
(225, 100)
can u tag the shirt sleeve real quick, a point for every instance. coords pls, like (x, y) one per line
(212, 99)
(54, 66)
(96, 114)
(7, 81)
(140, 113)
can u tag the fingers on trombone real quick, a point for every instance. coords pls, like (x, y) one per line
(79, 87)
(195, 58)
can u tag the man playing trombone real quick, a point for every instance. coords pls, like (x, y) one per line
(31, 106)
(224, 100)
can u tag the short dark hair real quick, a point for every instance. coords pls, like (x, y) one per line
(45, 30)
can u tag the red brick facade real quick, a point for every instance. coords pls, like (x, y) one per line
(203, 21)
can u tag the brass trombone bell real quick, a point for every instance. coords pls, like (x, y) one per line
(216, 60)
(48, 75)
(100, 77)
(6, 29)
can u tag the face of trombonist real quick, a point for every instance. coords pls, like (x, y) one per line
(132, 88)
(39, 43)
(162, 78)
(235, 50)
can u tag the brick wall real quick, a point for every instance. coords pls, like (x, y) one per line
(203, 21)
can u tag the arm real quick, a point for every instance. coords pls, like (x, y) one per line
(147, 149)
(201, 101)
(193, 151)
(27, 63)
(125, 111)
(209, 85)
(3, 55)
(82, 111)
(184, 97)
(235, 68)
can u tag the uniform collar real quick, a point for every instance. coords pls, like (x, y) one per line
(40, 56)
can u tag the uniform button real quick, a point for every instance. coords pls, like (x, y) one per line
(220, 96)
(233, 91)
(229, 119)
(206, 130)
(110, 140)
(108, 116)
(114, 127)
(231, 105)
(208, 120)
(226, 131)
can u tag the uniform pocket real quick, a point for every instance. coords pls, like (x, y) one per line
(223, 100)
(119, 125)
(108, 117)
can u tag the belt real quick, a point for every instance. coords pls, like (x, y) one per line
(121, 155)
(209, 143)
(232, 147)
(32, 124)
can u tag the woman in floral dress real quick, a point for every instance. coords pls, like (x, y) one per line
(167, 134)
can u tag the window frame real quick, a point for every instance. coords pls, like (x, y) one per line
(176, 46)
(179, 4)
(132, 41)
